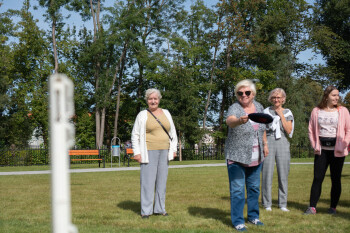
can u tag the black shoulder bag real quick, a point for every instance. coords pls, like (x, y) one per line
(160, 124)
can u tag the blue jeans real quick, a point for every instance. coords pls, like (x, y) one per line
(239, 177)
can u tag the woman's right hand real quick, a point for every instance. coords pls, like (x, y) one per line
(138, 158)
(243, 119)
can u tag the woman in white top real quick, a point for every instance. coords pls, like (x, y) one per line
(154, 143)
(277, 133)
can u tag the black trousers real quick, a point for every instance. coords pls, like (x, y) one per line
(320, 167)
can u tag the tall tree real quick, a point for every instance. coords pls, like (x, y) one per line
(54, 16)
(332, 37)
(27, 89)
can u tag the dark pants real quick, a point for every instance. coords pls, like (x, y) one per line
(320, 167)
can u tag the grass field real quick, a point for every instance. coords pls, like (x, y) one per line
(197, 201)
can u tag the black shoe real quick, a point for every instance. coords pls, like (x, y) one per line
(332, 211)
(144, 216)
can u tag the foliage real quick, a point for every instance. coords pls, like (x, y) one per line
(195, 56)
(331, 35)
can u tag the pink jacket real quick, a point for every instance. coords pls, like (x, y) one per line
(343, 132)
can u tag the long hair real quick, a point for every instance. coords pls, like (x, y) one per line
(327, 91)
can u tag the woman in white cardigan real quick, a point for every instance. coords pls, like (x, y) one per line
(154, 143)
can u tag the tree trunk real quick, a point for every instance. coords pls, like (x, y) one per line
(121, 63)
(180, 147)
(209, 92)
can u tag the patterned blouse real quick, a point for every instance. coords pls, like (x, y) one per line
(240, 139)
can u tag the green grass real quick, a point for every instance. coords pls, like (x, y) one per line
(197, 201)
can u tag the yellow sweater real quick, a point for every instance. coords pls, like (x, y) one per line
(156, 138)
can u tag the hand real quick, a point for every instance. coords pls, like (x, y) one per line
(266, 150)
(138, 158)
(279, 112)
(243, 120)
(175, 155)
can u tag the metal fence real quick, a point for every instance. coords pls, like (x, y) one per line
(40, 156)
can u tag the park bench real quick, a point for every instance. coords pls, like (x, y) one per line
(129, 155)
(87, 156)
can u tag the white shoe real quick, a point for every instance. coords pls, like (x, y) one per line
(284, 209)
(268, 209)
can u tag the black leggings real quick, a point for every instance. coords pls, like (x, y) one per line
(320, 167)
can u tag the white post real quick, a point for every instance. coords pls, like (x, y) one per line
(61, 139)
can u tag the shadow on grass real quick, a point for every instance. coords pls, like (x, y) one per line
(130, 205)
(212, 213)
(323, 210)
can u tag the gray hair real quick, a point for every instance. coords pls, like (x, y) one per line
(277, 91)
(151, 91)
(245, 83)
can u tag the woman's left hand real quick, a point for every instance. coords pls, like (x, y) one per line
(266, 150)
(175, 154)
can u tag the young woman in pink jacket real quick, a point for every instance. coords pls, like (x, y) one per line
(329, 134)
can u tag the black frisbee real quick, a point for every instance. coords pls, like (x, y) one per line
(261, 118)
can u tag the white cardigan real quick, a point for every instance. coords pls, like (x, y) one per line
(138, 136)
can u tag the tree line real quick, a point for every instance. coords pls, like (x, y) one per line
(194, 56)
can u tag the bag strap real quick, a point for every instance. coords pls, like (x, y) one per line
(160, 124)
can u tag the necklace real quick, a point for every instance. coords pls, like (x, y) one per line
(330, 109)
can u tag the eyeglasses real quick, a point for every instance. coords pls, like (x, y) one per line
(276, 98)
(247, 93)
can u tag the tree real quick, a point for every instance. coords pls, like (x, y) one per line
(331, 36)
(54, 16)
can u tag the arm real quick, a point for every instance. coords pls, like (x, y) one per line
(135, 139)
(232, 121)
(266, 148)
(312, 129)
(287, 125)
(173, 143)
(347, 126)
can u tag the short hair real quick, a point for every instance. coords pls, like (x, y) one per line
(245, 83)
(277, 91)
(326, 92)
(151, 91)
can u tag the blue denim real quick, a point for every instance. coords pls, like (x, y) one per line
(241, 177)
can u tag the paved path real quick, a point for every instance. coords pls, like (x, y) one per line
(124, 169)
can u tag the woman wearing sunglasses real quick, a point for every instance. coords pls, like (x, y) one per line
(245, 149)
(277, 133)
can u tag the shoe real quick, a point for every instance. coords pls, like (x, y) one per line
(284, 209)
(241, 227)
(268, 209)
(163, 214)
(332, 211)
(310, 210)
(144, 216)
(256, 222)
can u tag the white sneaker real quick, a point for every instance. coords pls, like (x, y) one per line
(284, 209)
(268, 209)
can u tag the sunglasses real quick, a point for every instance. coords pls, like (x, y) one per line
(247, 93)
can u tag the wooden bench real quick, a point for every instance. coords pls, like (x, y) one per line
(87, 153)
(129, 154)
